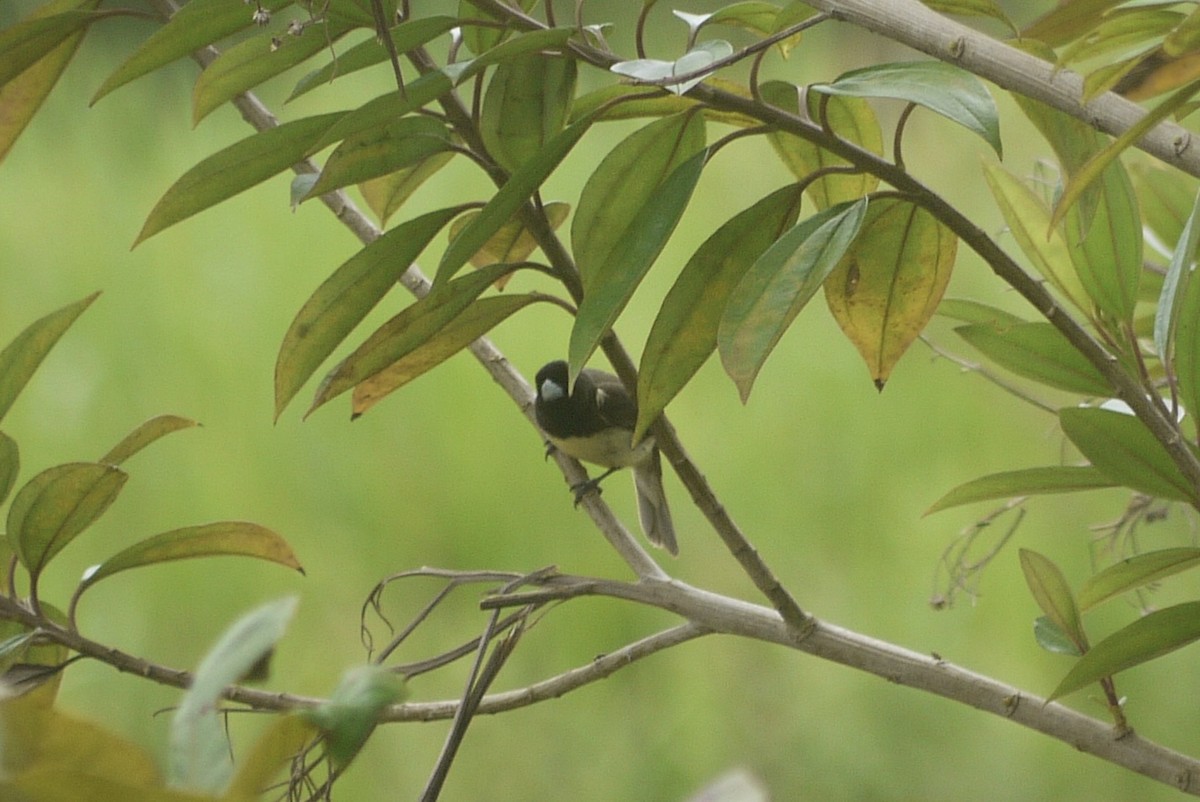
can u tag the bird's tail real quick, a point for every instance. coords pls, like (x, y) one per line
(653, 512)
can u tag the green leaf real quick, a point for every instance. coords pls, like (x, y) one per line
(1123, 449)
(144, 435)
(520, 45)
(345, 298)
(512, 242)
(526, 104)
(21, 357)
(480, 38)
(684, 333)
(1151, 636)
(943, 88)
(478, 319)
(1053, 639)
(1165, 196)
(10, 465)
(1028, 220)
(851, 118)
(405, 36)
(1136, 572)
(1068, 21)
(284, 738)
(889, 283)
(506, 203)
(1051, 592)
(619, 192)
(1119, 33)
(627, 102)
(973, 8)
(52, 508)
(253, 61)
(608, 289)
(1185, 39)
(22, 96)
(1097, 168)
(1024, 482)
(197, 23)
(1178, 271)
(416, 325)
(24, 44)
(198, 756)
(353, 710)
(386, 194)
(380, 151)
(969, 311)
(779, 284)
(1040, 352)
(385, 109)
(1185, 355)
(752, 15)
(221, 539)
(234, 169)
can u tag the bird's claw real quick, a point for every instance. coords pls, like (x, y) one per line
(550, 449)
(583, 488)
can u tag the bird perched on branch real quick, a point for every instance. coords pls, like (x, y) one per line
(594, 423)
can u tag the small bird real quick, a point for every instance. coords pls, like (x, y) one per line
(595, 424)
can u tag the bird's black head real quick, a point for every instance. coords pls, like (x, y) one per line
(551, 382)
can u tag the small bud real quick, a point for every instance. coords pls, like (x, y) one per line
(295, 28)
(261, 16)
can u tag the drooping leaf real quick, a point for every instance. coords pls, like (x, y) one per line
(55, 506)
(285, 737)
(416, 325)
(1179, 274)
(477, 320)
(197, 23)
(144, 435)
(1067, 21)
(512, 242)
(950, 91)
(1123, 449)
(198, 756)
(405, 36)
(10, 464)
(234, 169)
(224, 538)
(611, 285)
(850, 118)
(481, 38)
(1040, 352)
(1165, 196)
(21, 357)
(1052, 593)
(972, 8)
(627, 102)
(1097, 168)
(1024, 482)
(969, 311)
(684, 333)
(505, 204)
(526, 104)
(345, 298)
(252, 61)
(1028, 220)
(27, 42)
(385, 109)
(1135, 572)
(352, 712)
(1052, 639)
(1153, 635)
(1119, 33)
(22, 95)
(690, 63)
(889, 283)
(619, 191)
(755, 16)
(1184, 355)
(380, 151)
(386, 194)
(779, 284)
(519, 45)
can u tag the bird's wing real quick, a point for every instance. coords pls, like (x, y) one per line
(613, 403)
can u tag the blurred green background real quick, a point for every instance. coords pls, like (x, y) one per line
(828, 477)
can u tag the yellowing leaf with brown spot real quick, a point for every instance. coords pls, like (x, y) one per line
(888, 285)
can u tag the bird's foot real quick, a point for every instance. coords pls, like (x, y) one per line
(583, 488)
